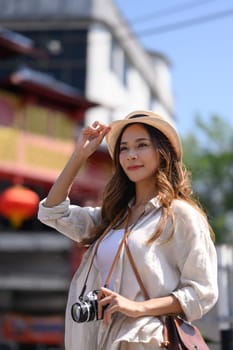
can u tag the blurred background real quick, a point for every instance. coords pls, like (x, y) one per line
(65, 64)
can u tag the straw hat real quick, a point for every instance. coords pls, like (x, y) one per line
(144, 117)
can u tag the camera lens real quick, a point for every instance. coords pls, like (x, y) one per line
(76, 312)
(81, 312)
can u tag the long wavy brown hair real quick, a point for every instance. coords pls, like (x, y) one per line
(172, 181)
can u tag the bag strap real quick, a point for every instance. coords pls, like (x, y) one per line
(146, 295)
(138, 277)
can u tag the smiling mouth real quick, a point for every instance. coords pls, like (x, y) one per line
(134, 167)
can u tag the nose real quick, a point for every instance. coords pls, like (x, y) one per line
(132, 155)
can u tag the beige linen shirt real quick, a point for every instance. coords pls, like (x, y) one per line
(185, 266)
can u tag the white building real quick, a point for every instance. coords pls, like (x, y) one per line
(91, 47)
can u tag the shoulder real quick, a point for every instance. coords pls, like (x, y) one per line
(189, 218)
(181, 207)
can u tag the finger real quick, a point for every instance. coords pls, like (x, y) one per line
(89, 130)
(98, 132)
(106, 130)
(106, 291)
(95, 123)
(107, 317)
(108, 312)
(105, 297)
(100, 311)
(105, 300)
(102, 304)
(102, 128)
(100, 295)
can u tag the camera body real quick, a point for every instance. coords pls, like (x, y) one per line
(86, 309)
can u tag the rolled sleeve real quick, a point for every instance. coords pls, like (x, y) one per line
(73, 221)
(197, 263)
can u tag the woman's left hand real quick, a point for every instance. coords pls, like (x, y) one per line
(111, 302)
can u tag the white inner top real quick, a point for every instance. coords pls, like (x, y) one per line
(106, 253)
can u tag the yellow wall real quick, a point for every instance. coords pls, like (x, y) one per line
(33, 138)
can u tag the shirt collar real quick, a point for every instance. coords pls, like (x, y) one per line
(152, 203)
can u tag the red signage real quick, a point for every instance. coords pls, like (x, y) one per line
(36, 330)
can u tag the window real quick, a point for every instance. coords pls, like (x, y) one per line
(119, 63)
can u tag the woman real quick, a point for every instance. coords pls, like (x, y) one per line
(169, 237)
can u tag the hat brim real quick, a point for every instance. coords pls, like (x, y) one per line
(144, 117)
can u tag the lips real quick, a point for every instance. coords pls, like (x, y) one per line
(134, 167)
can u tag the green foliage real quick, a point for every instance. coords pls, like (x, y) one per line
(208, 154)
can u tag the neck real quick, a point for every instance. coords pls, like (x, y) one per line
(143, 196)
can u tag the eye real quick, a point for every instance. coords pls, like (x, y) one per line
(143, 145)
(123, 148)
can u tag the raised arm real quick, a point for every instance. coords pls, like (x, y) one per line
(88, 141)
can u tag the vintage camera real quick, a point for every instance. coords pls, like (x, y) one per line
(86, 309)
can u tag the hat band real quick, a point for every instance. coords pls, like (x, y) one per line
(138, 116)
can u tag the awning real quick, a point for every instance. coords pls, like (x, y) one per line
(13, 44)
(44, 89)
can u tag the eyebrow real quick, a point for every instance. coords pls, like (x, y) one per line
(137, 140)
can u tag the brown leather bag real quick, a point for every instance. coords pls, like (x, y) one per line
(182, 335)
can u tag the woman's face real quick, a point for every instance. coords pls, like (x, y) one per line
(138, 155)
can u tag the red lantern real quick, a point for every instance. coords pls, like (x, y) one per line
(17, 204)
